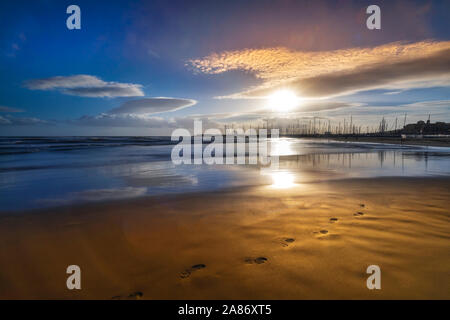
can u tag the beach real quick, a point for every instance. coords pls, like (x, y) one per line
(312, 237)
(213, 157)
(148, 246)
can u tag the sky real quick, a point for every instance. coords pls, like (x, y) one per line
(149, 67)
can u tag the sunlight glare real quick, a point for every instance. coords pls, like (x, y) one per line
(283, 101)
(282, 180)
(281, 147)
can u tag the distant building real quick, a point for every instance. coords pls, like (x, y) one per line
(422, 127)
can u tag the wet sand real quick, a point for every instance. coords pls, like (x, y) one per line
(311, 241)
(431, 142)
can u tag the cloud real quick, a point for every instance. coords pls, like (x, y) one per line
(153, 105)
(432, 71)
(122, 120)
(9, 109)
(305, 106)
(322, 105)
(142, 121)
(85, 86)
(236, 117)
(138, 113)
(265, 113)
(14, 121)
(338, 72)
(433, 107)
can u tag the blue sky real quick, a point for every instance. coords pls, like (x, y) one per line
(217, 60)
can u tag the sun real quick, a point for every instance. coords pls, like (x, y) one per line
(283, 101)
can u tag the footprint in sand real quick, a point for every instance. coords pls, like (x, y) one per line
(285, 241)
(359, 213)
(333, 220)
(326, 235)
(132, 296)
(259, 260)
(186, 273)
(321, 231)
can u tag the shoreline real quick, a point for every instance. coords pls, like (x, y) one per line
(94, 205)
(308, 242)
(425, 142)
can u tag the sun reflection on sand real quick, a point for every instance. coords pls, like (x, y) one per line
(282, 180)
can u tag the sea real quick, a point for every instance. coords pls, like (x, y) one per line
(41, 172)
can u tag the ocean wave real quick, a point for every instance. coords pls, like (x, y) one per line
(22, 145)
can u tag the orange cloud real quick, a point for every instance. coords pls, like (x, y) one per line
(306, 72)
